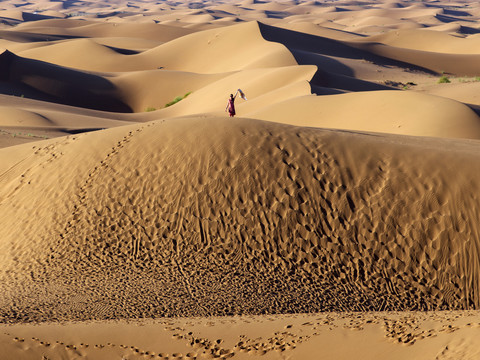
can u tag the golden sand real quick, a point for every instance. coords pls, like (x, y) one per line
(335, 217)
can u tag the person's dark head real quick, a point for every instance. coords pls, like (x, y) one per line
(231, 96)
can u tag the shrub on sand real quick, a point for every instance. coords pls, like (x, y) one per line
(177, 99)
(443, 79)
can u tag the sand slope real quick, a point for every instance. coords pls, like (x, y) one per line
(163, 212)
(47, 82)
(395, 112)
(210, 51)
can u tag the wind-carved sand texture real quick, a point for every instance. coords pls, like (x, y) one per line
(346, 183)
(242, 217)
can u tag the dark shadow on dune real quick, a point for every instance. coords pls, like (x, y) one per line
(466, 30)
(455, 12)
(123, 51)
(9, 21)
(294, 40)
(119, 14)
(449, 19)
(80, 131)
(475, 108)
(322, 61)
(320, 51)
(340, 9)
(196, 5)
(22, 37)
(219, 12)
(48, 82)
(319, 45)
(320, 90)
(276, 14)
(332, 73)
(66, 4)
(35, 17)
(5, 21)
(342, 82)
(347, 32)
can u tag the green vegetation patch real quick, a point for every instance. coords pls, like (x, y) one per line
(177, 99)
(466, 79)
(444, 79)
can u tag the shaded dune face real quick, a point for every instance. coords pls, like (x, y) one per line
(48, 82)
(325, 53)
(250, 218)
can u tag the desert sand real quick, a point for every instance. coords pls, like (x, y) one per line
(336, 216)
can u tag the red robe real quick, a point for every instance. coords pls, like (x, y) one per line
(231, 106)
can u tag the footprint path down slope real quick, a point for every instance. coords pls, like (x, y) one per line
(196, 217)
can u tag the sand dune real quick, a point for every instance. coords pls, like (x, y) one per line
(458, 64)
(10, 116)
(223, 44)
(386, 111)
(44, 81)
(219, 51)
(146, 89)
(342, 196)
(263, 88)
(218, 238)
(465, 90)
(145, 31)
(429, 40)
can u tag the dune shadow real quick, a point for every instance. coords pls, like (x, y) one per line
(113, 14)
(196, 5)
(320, 51)
(295, 40)
(475, 108)
(123, 51)
(340, 9)
(26, 16)
(22, 37)
(276, 14)
(323, 52)
(467, 30)
(219, 12)
(67, 4)
(449, 19)
(456, 12)
(80, 131)
(40, 80)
